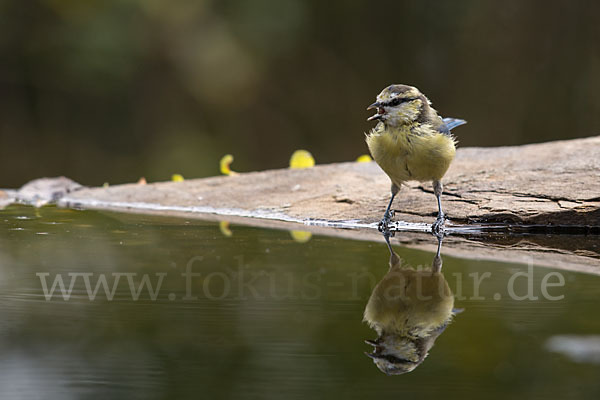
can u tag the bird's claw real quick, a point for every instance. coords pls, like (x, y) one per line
(384, 224)
(438, 226)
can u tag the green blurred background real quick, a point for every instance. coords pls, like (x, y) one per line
(113, 90)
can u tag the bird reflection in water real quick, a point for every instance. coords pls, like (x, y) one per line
(408, 309)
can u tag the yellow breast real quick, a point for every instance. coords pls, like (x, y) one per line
(420, 153)
(407, 300)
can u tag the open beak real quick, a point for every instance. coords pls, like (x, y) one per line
(380, 111)
(373, 356)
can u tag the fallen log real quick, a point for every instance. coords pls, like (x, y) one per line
(554, 184)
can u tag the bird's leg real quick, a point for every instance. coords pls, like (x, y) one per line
(394, 259)
(389, 213)
(438, 225)
(437, 260)
(386, 236)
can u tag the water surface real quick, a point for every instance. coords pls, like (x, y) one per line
(244, 312)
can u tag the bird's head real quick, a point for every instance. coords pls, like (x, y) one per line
(399, 104)
(396, 355)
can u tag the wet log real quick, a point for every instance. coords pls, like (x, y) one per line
(554, 185)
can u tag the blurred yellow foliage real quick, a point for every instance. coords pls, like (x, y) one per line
(224, 227)
(225, 163)
(177, 178)
(302, 159)
(300, 236)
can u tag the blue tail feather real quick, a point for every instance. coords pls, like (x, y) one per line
(452, 123)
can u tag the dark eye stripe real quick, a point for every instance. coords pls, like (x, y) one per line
(397, 100)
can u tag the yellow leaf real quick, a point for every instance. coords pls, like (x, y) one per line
(302, 159)
(225, 163)
(300, 236)
(177, 178)
(364, 158)
(224, 227)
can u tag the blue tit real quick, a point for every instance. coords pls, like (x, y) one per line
(411, 142)
(408, 309)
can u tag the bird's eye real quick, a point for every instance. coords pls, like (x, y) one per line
(394, 102)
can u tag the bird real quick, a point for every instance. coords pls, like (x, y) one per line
(408, 309)
(411, 142)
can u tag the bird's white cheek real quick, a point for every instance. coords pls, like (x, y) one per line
(407, 114)
(395, 118)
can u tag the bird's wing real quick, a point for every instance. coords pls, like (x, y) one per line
(450, 123)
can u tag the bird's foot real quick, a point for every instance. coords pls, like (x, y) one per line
(438, 226)
(384, 224)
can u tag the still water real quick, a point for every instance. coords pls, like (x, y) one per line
(112, 306)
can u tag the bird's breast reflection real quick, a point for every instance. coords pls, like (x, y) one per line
(409, 308)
